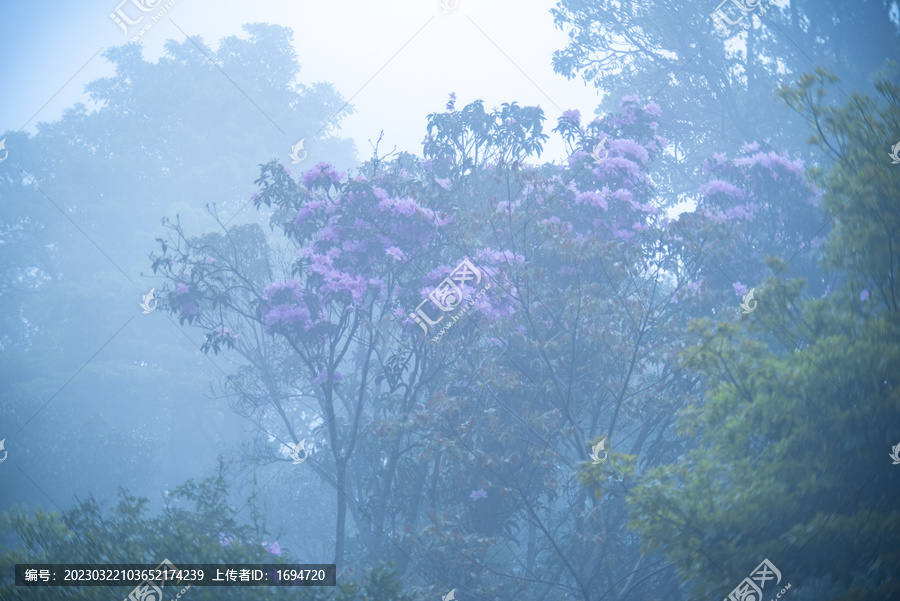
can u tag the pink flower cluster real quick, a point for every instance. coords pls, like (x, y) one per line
(275, 287)
(291, 308)
(478, 494)
(272, 548)
(323, 174)
(624, 146)
(222, 334)
(323, 377)
(306, 211)
(573, 115)
(287, 314)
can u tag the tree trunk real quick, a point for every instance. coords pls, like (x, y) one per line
(341, 525)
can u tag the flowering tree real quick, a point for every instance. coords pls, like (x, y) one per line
(756, 205)
(314, 324)
(786, 384)
(452, 371)
(587, 349)
(602, 287)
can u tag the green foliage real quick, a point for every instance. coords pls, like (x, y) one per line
(464, 140)
(193, 528)
(803, 405)
(862, 187)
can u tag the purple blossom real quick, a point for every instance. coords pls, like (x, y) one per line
(739, 288)
(621, 234)
(329, 233)
(223, 333)
(864, 295)
(396, 253)
(772, 161)
(323, 174)
(181, 289)
(443, 183)
(619, 163)
(624, 195)
(573, 115)
(321, 264)
(595, 199)
(578, 154)
(323, 377)
(400, 206)
(275, 287)
(209, 260)
(272, 548)
(718, 186)
(380, 194)
(625, 146)
(653, 109)
(742, 211)
(716, 216)
(302, 215)
(478, 494)
(287, 314)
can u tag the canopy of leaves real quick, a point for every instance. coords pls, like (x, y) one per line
(803, 403)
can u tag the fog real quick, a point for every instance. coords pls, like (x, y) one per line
(570, 301)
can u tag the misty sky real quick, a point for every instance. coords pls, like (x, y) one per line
(345, 43)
